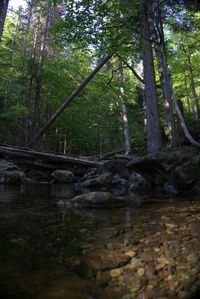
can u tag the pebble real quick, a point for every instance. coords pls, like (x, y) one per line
(141, 272)
(183, 295)
(130, 253)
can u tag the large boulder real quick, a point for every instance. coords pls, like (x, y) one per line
(138, 184)
(98, 200)
(92, 182)
(10, 173)
(156, 168)
(186, 177)
(62, 176)
(119, 185)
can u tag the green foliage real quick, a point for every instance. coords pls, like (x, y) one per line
(79, 33)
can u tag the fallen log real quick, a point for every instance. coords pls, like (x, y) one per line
(33, 155)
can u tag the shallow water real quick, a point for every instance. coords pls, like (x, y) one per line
(149, 250)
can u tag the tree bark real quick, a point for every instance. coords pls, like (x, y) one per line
(194, 94)
(33, 155)
(3, 12)
(36, 111)
(154, 139)
(124, 110)
(70, 98)
(182, 122)
(164, 75)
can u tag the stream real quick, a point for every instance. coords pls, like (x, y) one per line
(150, 250)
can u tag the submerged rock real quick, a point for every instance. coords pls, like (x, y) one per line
(10, 173)
(99, 200)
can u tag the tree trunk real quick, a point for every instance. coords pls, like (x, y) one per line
(36, 111)
(194, 94)
(3, 12)
(124, 110)
(164, 74)
(182, 122)
(154, 139)
(70, 98)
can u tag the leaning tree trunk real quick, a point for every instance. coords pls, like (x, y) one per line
(124, 110)
(194, 94)
(164, 74)
(154, 139)
(74, 94)
(3, 12)
(178, 111)
(169, 84)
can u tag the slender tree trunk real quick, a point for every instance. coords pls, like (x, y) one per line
(154, 139)
(36, 111)
(124, 110)
(164, 74)
(194, 94)
(3, 12)
(70, 98)
(30, 81)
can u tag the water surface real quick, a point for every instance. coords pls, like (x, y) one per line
(150, 250)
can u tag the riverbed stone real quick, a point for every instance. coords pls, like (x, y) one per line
(10, 173)
(98, 200)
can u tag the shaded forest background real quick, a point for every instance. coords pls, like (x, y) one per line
(49, 47)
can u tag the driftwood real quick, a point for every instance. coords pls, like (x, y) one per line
(33, 156)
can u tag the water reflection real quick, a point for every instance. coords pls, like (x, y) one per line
(50, 251)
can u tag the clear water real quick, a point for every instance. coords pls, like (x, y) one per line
(39, 236)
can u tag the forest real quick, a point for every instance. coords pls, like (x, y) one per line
(144, 97)
(99, 149)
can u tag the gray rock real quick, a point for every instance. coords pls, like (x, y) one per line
(98, 200)
(97, 181)
(138, 184)
(186, 176)
(115, 167)
(10, 173)
(62, 176)
(119, 186)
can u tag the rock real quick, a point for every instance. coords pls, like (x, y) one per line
(98, 200)
(98, 260)
(116, 166)
(156, 168)
(183, 295)
(185, 176)
(119, 185)
(62, 176)
(10, 173)
(35, 175)
(141, 272)
(193, 259)
(138, 184)
(116, 272)
(97, 181)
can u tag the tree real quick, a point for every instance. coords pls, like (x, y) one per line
(124, 110)
(3, 12)
(164, 72)
(154, 139)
